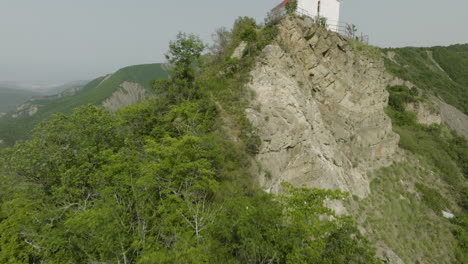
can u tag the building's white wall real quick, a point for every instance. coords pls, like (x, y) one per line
(310, 6)
(330, 9)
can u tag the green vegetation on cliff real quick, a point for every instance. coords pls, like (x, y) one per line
(405, 208)
(163, 181)
(404, 214)
(440, 146)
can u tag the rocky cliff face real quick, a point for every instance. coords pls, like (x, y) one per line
(319, 109)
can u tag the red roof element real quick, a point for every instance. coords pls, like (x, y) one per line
(282, 3)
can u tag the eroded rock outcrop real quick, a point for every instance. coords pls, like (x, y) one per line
(319, 109)
(26, 109)
(239, 51)
(426, 113)
(128, 94)
(453, 117)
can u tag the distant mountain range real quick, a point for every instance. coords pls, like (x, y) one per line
(126, 86)
(10, 98)
(14, 93)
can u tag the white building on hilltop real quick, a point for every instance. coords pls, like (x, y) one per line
(328, 9)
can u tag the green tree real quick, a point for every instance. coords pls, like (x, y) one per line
(65, 152)
(240, 25)
(184, 56)
(291, 7)
(184, 53)
(221, 39)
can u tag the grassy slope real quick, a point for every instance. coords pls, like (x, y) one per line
(404, 210)
(415, 65)
(395, 214)
(10, 98)
(94, 92)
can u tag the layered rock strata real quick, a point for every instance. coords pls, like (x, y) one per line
(319, 110)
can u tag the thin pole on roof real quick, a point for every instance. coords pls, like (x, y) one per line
(318, 8)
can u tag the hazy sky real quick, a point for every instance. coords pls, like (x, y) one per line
(58, 40)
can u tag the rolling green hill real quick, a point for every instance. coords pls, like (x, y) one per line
(95, 92)
(10, 98)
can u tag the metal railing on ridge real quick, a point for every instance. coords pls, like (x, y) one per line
(345, 29)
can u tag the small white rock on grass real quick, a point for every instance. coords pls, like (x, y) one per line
(448, 215)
